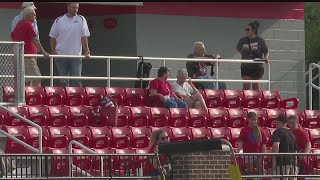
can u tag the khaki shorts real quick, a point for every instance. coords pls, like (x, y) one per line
(31, 68)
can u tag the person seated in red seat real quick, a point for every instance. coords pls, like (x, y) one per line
(252, 140)
(187, 91)
(160, 87)
(155, 169)
(302, 141)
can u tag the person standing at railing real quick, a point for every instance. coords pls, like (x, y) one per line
(161, 87)
(252, 47)
(252, 140)
(198, 69)
(283, 141)
(303, 143)
(69, 33)
(24, 31)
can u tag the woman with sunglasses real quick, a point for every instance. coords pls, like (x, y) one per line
(252, 47)
(158, 136)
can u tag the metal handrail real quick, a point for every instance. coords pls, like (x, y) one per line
(311, 85)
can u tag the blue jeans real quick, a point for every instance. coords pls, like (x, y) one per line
(69, 67)
(211, 85)
(174, 103)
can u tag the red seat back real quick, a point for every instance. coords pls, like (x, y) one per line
(237, 118)
(214, 98)
(217, 117)
(198, 117)
(81, 134)
(59, 116)
(140, 116)
(34, 136)
(55, 96)
(273, 117)
(312, 119)
(20, 132)
(140, 137)
(179, 117)
(135, 97)
(59, 137)
(271, 99)
(39, 114)
(116, 94)
(181, 134)
(75, 96)
(233, 98)
(121, 137)
(7, 93)
(201, 133)
(12, 120)
(101, 137)
(252, 99)
(160, 117)
(34, 95)
(94, 95)
(80, 116)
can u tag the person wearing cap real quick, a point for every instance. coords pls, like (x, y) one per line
(25, 32)
(283, 141)
(68, 34)
(19, 17)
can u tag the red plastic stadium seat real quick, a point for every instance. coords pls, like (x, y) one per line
(198, 117)
(160, 117)
(116, 94)
(268, 134)
(181, 134)
(237, 118)
(55, 96)
(12, 120)
(34, 95)
(140, 116)
(312, 119)
(101, 137)
(59, 164)
(34, 136)
(94, 95)
(217, 117)
(179, 117)
(83, 162)
(252, 99)
(7, 93)
(75, 96)
(224, 133)
(233, 98)
(298, 113)
(80, 116)
(272, 99)
(134, 97)
(121, 137)
(214, 98)
(59, 116)
(201, 133)
(140, 137)
(59, 137)
(39, 114)
(273, 117)
(261, 116)
(124, 164)
(96, 161)
(20, 132)
(81, 134)
(124, 116)
(3, 116)
(235, 133)
(315, 137)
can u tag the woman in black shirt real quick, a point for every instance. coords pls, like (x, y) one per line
(257, 49)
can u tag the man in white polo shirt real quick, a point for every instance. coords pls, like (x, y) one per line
(69, 33)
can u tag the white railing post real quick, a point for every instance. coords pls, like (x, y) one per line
(108, 71)
(310, 86)
(269, 74)
(51, 71)
(19, 74)
(217, 74)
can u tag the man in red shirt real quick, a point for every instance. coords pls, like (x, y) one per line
(302, 141)
(24, 31)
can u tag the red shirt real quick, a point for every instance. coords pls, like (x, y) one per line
(24, 32)
(162, 87)
(148, 169)
(302, 138)
(250, 144)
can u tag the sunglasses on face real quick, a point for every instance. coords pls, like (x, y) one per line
(247, 29)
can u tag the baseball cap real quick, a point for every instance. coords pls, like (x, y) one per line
(28, 4)
(282, 118)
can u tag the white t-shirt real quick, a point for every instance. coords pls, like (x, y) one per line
(68, 32)
(185, 89)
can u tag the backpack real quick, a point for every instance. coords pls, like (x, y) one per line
(143, 71)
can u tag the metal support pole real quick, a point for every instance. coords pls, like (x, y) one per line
(217, 74)
(310, 87)
(19, 74)
(108, 71)
(269, 75)
(51, 71)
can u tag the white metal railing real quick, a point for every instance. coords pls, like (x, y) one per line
(312, 66)
(164, 59)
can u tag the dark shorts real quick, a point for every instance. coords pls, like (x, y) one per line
(255, 71)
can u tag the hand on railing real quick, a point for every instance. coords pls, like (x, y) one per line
(45, 54)
(87, 55)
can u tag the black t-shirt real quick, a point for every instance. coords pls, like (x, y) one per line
(197, 68)
(258, 47)
(287, 145)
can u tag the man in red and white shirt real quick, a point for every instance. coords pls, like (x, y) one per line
(24, 31)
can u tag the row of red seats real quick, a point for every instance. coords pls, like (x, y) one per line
(157, 117)
(124, 137)
(91, 96)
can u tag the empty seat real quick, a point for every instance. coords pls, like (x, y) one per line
(39, 114)
(106, 160)
(134, 97)
(94, 95)
(59, 137)
(201, 133)
(312, 119)
(217, 117)
(81, 134)
(224, 133)
(273, 117)
(116, 94)
(237, 118)
(271, 100)
(121, 137)
(198, 117)
(12, 120)
(7, 93)
(55, 96)
(83, 162)
(20, 132)
(101, 137)
(233, 98)
(261, 116)
(59, 164)
(80, 116)
(34, 137)
(252, 99)
(298, 113)
(214, 98)
(235, 133)
(140, 116)
(34, 95)
(124, 116)
(124, 164)
(179, 117)
(75, 96)
(59, 116)
(140, 137)
(159, 117)
(315, 137)
(181, 134)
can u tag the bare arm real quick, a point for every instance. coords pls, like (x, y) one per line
(37, 43)
(53, 43)
(154, 92)
(275, 149)
(240, 145)
(84, 42)
(263, 148)
(266, 56)
(308, 148)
